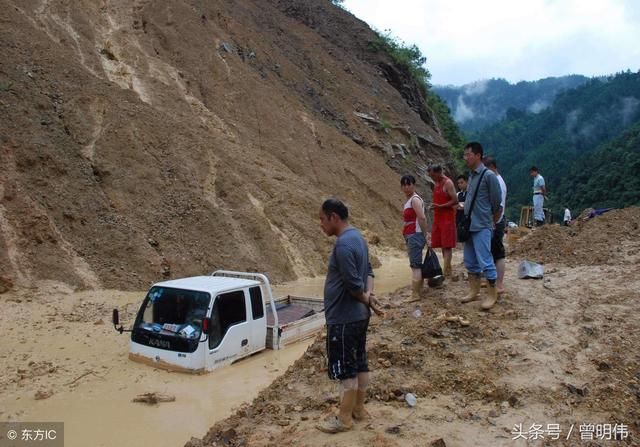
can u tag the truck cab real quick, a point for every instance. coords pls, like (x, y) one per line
(200, 323)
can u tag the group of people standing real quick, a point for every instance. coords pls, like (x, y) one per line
(348, 292)
(482, 199)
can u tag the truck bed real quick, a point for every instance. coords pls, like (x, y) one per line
(298, 318)
(289, 313)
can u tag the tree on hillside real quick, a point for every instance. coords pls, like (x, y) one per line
(408, 56)
(411, 58)
(449, 128)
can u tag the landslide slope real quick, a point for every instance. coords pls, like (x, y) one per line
(143, 139)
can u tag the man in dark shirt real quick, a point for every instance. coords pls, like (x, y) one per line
(347, 299)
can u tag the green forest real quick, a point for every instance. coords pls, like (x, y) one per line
(585, 144)
(482, 103)
(606, 177)
(583, 134)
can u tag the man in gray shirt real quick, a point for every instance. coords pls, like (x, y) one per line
(486, 211)
(347, 298)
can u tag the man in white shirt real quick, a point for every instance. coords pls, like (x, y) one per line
(539, 194)
(497, 246)
(567, 217)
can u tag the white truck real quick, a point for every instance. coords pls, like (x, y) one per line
(201, 323)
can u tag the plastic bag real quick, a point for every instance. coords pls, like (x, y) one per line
(431, 265)
(528, 269)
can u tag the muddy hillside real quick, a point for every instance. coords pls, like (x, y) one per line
(142, 140)
(554, 363)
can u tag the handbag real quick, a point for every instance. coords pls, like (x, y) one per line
(463, 226)
(431, 265)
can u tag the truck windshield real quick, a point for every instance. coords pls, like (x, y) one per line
(174, 312)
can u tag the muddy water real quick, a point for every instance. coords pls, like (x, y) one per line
(97, 408)
(393, 274)
(101, 413)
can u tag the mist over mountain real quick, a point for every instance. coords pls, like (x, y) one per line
(585, 145)
(481, 103)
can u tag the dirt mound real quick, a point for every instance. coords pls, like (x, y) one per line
(476, 375)
(605, 239)
(142, 140)
(410, 354)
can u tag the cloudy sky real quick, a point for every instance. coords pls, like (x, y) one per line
(467, 40)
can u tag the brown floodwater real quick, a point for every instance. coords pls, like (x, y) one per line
(393, 274)
(98, 410)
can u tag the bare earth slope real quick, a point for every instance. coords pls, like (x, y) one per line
(144, 139)
(555, 363)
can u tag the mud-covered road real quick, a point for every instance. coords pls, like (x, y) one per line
(556, 362)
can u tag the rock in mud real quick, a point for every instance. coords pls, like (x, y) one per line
(411, 399)
(395, 430)
(603, 366)
(43, 394)
(5, 284)
(194, 442)
(580, 391)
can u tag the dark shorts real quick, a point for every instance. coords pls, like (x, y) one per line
(415, 245)
(497, 246)
(346, 349)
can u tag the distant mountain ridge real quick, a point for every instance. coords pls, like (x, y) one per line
(482, 103)
(585, 144)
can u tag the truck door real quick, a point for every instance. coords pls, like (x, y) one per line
(259, 323)
(230, 335)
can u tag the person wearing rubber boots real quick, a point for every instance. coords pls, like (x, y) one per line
(483, 206)
(497, 244)
(348, 296)
(413, 230)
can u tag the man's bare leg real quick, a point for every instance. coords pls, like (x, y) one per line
(501, 266)
(447, 255)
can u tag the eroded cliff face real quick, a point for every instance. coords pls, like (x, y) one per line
(142, 140)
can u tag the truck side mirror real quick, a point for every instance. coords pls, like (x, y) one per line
(116, 321)
(206, 325)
